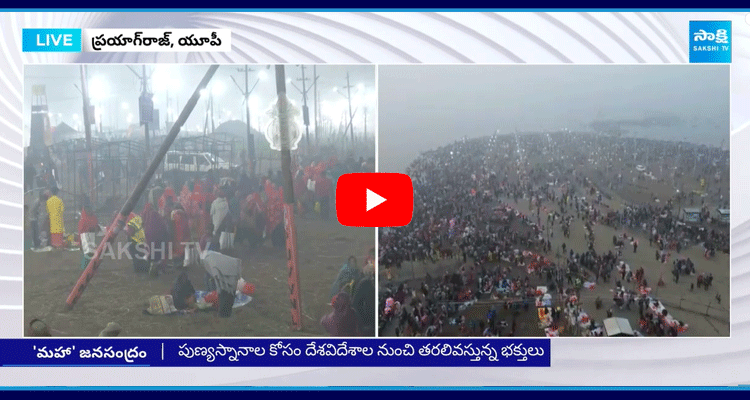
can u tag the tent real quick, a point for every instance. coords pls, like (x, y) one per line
(723, 215)
(618, 327)
(691, 214)
(63, 132)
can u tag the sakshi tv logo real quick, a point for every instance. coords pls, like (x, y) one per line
(710, 41)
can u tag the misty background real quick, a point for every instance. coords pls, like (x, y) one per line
(425, 107)
(114, 91)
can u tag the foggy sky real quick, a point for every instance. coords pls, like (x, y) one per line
(425, 107)
(121, 89)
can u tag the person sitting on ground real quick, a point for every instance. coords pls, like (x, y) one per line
(183, 293)
(364, 300)
(348, 275)
(342, 322)
(37, 328)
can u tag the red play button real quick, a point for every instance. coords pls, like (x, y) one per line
(374, 200)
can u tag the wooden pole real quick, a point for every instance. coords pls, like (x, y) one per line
(289, 225)
(119, 223)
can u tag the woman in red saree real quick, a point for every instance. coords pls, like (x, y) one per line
(164, 204)
(342, 322)
(88, 222)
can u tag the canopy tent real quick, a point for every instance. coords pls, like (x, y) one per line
(723, 214)
(618, 327)
(691, 214)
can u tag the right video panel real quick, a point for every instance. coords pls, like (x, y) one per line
(557, 201)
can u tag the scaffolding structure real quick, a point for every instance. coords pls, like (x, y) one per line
(117, 166)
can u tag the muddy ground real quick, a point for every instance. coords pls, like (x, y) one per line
(117, 294)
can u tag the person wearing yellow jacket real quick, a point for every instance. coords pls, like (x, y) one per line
(56, 208)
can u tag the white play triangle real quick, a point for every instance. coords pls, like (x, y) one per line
(373, 200)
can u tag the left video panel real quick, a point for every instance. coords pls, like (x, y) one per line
(186, 165)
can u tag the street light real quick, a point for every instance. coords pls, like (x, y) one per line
(217, 89)
(98, 89)
(165, 79)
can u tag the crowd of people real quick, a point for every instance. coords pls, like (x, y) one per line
(222, 211)
(248, 206)
(469, 216)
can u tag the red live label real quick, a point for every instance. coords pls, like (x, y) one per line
(374, 199)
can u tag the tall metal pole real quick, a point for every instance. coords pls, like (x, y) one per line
(349, 99)
(306, 114)
(250, 137)
(250, 140)
(289, 225)
(119, 223)
(87, 129)
(205, 119)
(166, 111)
(315, 102)
(147, 142)
(211, 99)
(101, 122)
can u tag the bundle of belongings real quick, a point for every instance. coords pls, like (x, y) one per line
(545, 316)
(224, 273)
(181, 299)
(543, 299)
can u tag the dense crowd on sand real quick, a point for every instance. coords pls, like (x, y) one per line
(491, 209)
(229, 212)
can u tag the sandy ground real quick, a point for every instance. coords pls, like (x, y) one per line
(117, 294)
(683, 304)
(705, 316)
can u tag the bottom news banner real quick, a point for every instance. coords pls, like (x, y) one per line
(276, 352)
